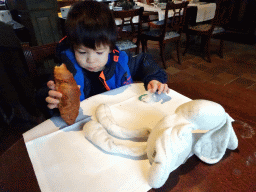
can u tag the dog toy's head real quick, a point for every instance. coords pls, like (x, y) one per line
(171, 141)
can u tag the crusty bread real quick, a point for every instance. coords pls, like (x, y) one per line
(70, 100)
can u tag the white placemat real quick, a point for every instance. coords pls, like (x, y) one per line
(65, 161)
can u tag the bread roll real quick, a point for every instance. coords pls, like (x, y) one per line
(70, 100)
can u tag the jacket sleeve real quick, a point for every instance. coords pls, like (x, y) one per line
(144, 68)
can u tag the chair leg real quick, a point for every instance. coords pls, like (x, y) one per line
(221, 48)
(203, 43)
(162, 49)
(138, 42)
(178, 51)
(137, 49)
(206, 43)
(144, 45)
(187, 43)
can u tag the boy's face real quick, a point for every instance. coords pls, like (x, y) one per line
(90, 59)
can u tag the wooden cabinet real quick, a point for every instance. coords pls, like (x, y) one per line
(242, 25)
(39, 17)
(243, 18)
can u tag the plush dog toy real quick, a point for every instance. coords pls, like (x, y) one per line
(198, 127)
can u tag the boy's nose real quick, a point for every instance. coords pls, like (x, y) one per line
(90, 59)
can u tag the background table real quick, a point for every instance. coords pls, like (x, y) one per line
(204, 11)
(235, 172)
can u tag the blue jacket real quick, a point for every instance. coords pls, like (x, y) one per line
(120, 77)
(121, 69)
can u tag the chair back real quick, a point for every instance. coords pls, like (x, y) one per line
(37, 55)
(131, 23)
(177, 21)
(223, 12)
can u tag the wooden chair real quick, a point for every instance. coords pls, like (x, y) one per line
(129, 30)
(38, 59)
(36, 56)
(167, 30)
(223, 12)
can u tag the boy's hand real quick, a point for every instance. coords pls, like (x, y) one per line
(155, 85)
(54, 96)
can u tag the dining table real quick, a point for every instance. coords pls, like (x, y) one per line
(25, 166)
(197, 12)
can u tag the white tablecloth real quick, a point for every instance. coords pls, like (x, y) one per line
(63, 160)
(205, 11)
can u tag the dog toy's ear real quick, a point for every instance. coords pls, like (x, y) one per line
(233, 141)
(212, 146)
(211, 116)
(170, 150)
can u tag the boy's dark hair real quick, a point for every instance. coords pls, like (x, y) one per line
(91, 23)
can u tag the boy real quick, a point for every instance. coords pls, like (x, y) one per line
(89, 52)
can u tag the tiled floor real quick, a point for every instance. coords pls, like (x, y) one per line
(237, 68)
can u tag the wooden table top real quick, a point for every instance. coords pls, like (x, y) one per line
(235, 172)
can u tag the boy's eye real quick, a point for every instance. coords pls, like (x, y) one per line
(99, 53)
(80, 52)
